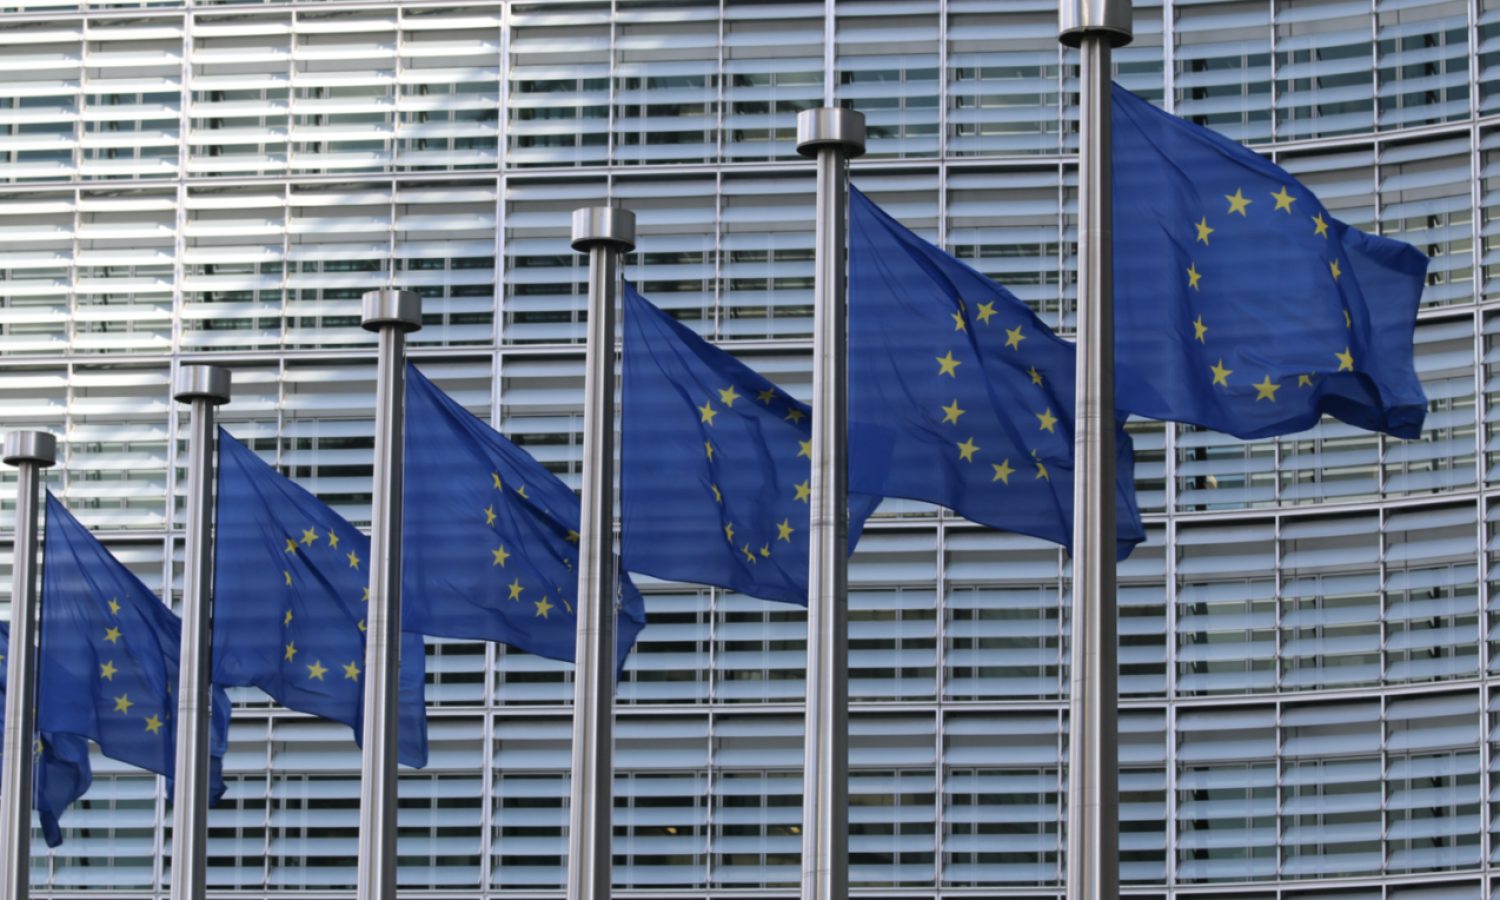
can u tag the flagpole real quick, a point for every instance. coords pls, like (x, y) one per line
(390, 314)
(1093, 857)
(30, 452)
(204, 387)
(603, 233)
(833, 136)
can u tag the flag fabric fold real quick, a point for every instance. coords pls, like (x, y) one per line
(291, 578)
(490, 537)
(61, 770)
(1241, 304)
(958, 394)
(715, 465)
(108, 660)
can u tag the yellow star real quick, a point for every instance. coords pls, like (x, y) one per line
(1237, 204)
(1049, 421)
(1203, 230)
(710, 448)
(112, 635)
(351, 671)
(522, 491)
(489, 515)
(288, 574)
(966, 450)
(718, 497)
(108, 670)
(1194, 276)
(784, 531)
(500, 556)
(366, 597)
(803, 491)
(572, 537)
(1347, 322)
(806, 449)
(729, 396)
(1221, 373)
(1320, 226)
(729, 532)
(309, 535)
(1346, 360)
(353, 560)
(496, 477)
(748, 555)
(1041, 471)
(515, 589)
(1284, 200)
(153, 725)
(291, 546)
(542, 606)
(333, 540)
(708, 411)
(568, 606)
(1014, 337)
(766, 396)
(795, 414)
(951, 413)
(1003, 472)
(123, 703)
(1267, 390)
(361, 624)
(288, 619)
(1333, 266)
(766, 551)
(1201, 330)
(1036, 377)
(114, 606)
(948, 365)
(316, 670)
(1304, 381)
(985, 311)
(958, 318)
(291, 651)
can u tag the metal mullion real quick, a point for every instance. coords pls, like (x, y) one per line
(942, 90)
(1169, 55)
(830, 57)
(718, 311)
(720, 144)
(487, 772)
(940, 623)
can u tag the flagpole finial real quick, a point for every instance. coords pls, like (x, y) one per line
(603, 226)
(38, 447)
(400, 308)
(831, 126)
(1110, 18)
(209, 383)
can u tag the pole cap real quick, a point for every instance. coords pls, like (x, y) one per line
(38, 447)
(831, 126)
(209, 383)
(1111, 19)
(402, 309)
(610, 226)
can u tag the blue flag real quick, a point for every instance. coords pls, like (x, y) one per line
(490, 541)
(109, 656)
(290, 581)
(1241, 305)
(958, 394)
(61, 773)
(715, 465)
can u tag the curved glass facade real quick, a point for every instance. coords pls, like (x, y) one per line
(1306, 643)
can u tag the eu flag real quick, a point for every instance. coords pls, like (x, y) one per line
(61, 769)
(1241, 305)
(291, 578)
(109, 656)
(490, 540)
(958, 394)
(715, 465)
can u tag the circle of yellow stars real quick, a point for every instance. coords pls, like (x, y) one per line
(500, 555)
(310, 538)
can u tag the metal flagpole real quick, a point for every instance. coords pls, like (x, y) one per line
(833, 136)
(30, 452)
(1093, 873)
(204, 387)
(603, 233)
(391, 314)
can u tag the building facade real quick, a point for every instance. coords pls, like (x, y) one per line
(1305, 637)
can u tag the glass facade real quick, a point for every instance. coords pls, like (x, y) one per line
(1307, 638)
